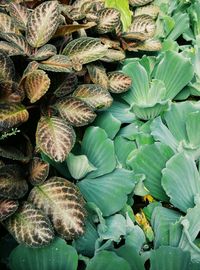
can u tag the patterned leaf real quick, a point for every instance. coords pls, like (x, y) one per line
(11, 92)
(138, 3)
(38, 171)
(75, 111)
(97, 74)
(70, 28)
(57, 63)
(94, 95)
(12, 114)
(114, 55)
(7, 25)
(62, 201)
(134, 36)
(55, 138)
(12, 183)
(68, 86)
(85, 50)
(148, 45)
(10, 49)
(118, 82)
(20, 14)
(44, 52)
(7, 208)
(36, 85)
(32, 67)
(151, 10)
(42, 23)
(108, 19)
(30, 226)
(7, 70)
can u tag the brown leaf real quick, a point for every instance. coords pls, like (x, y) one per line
(68, 29)
(38, 171)
(7, 208)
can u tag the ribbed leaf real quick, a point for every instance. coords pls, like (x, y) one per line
(57, 63)
(10, 48)
(70, 28)
(36, 85)
(19, 14)
(30, 226)
(12, 183)
(193, 127)
(7, 70)
(108, 19)
(148, 45)
(138, 3)
(151, 10)
(85, 50)
(68, 85)
(31, 67)
(38, 171)
(118, 82)
(63, 202)
(113, 55)
(75, 111)
(44, 52)
(55, 138)
(12, 114)
(7, 208)
(122, 111)
(42, 23)
(7, 25)
(97, 74)
(94, 95)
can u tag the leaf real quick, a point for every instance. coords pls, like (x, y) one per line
(84, 50)
(58, 255)
(67, 86)
(118, 82)
(94, 95)
(7, 208)
(44, 52)
(57, 63)
(123, 8)
(20, 14)
(42, 23)
(36, 85)
(38, 171)
(113, 55)
(182, 23)
(7, 25)
(151, 10)
(12, 184)
(138, 3)
(7, 71)
(108, 19)
(65, 30)
(10, 49)
(79, 166)
(55, 138)
(99, 149)
(192, 128)
(75, 111)
(62, 201)
(109, 192)
(12, 114)
(30, 226)
(151, 45)
(97, 74)
(181, 172)
(122, 111)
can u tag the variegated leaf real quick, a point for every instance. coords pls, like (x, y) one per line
(119, 28)
(84, 50)
(114, 55)
(38, 171)
(44, 52)
(55, 138)
(98, 74)
(151, 10)
(94, 95)
(65, 30)
(7, 208)
(7, 70)
(7, 25)
(43, 23)
(30, 226)
(75, 111)
(137, 36)
(62, 201)
(12, 183)
(68, 86)
(12, 114)
(11, 92)
(32, 67)
(10, 49)
(19, 14)
(57, 63)
(139, 3)
(148, 45)
(118, 82)
(108, 19)
(36, 85)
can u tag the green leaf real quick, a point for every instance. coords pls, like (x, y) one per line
(125, 13)
(99, 149)
(108, 192)
(7, 208)
(181, 25)
(58, 255)
(122, 111)
(192, 128)
(57, 63)
(63, 203)
(38, 171)
(42, 23)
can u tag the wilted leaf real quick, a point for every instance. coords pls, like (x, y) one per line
(7, 70)
(38, 171)
(62, 201)
(12, 183)
(7, 25)
(97, 74)
(12, 114)
(94, 95)
(84, 50)
(36, 85)
(55, 138)
(42, 23)
(7, 208)
(108, 19)
(68, 86)
(57, 63)
(44, 52)
(118, 82)
(75, 111)
(138, 3)
(20, 14)
(30, 226)
(65, 30)
(10, 48)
